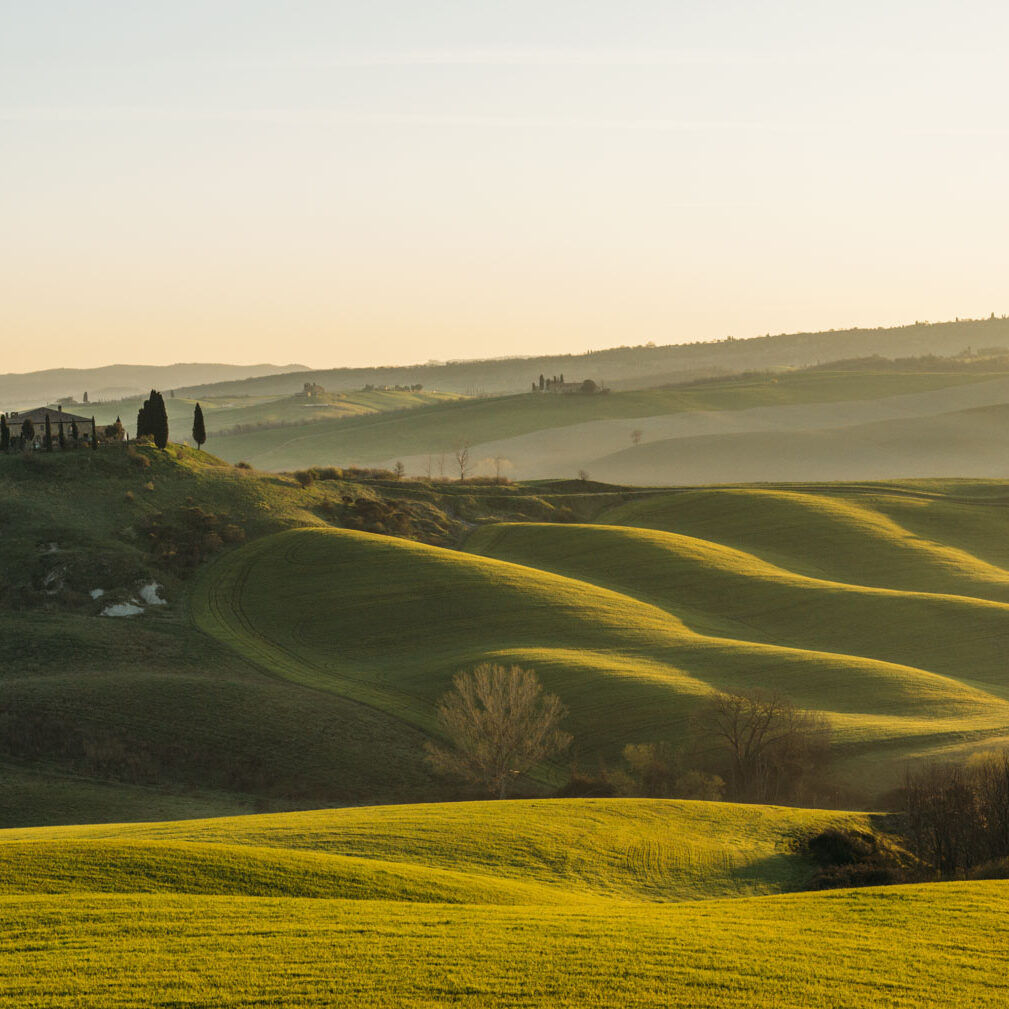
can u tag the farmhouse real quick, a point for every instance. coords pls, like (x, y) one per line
(558, 385)
(15, 419)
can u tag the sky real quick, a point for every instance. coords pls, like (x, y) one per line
(347, 183)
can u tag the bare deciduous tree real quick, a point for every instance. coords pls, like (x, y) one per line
(462, 459)
(499, 724)
(636, 436)
(765, 746)
(501, 463)
(958, 814)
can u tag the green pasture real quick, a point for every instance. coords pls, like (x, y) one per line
(542, 903)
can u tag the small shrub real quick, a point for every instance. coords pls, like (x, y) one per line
(242, 465)
(304, 477)
(149, 486)
(129, 495)
(849, 857)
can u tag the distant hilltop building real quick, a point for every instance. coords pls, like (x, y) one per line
(558, 385)
(310, 390)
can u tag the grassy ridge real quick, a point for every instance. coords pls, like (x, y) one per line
(531, 851)
(727, 591)
(947, 538)
(389, 622)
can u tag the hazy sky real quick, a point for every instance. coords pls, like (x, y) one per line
(378, 182)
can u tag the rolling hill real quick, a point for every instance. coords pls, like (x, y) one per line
(560, 903)
(544, 435)
(644, 366)
(885, 608)
(246, 414)
(30, 389)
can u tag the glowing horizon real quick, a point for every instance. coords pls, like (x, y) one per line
(336, 185)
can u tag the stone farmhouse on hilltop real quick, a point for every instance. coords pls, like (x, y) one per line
(16, 418)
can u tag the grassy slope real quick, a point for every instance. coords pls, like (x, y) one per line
(575, 903)
(438, 429)
(884, 607)
(920, 947)
(531, 851)
(153, 705)
(921, 537)
(629, 654)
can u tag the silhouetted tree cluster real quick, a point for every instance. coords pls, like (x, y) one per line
(114, 432)
(958, 814)
(764, 747)
(748, 747)
(5, 434)
(152, 419)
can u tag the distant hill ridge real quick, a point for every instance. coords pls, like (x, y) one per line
(115, 381)
(644, 366)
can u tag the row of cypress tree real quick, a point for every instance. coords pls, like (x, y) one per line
(152, 419)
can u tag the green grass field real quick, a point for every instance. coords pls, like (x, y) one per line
(542, 903)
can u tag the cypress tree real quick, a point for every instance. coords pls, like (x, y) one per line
(85, 397)
(159, 419)
(199, 428)
(94, 434)
(47, 441)
(63, 438)
(74, 432)
(5, 433)
(28, 430)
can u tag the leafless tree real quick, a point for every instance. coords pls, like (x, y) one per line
(462, 459)
(499, 723)
(636, 436)
(583, 475)
(958, 814)
(763, 745)
(398, 470)
(501, 463)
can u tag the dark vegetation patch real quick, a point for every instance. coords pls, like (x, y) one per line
(849, 857)
(184, 538)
